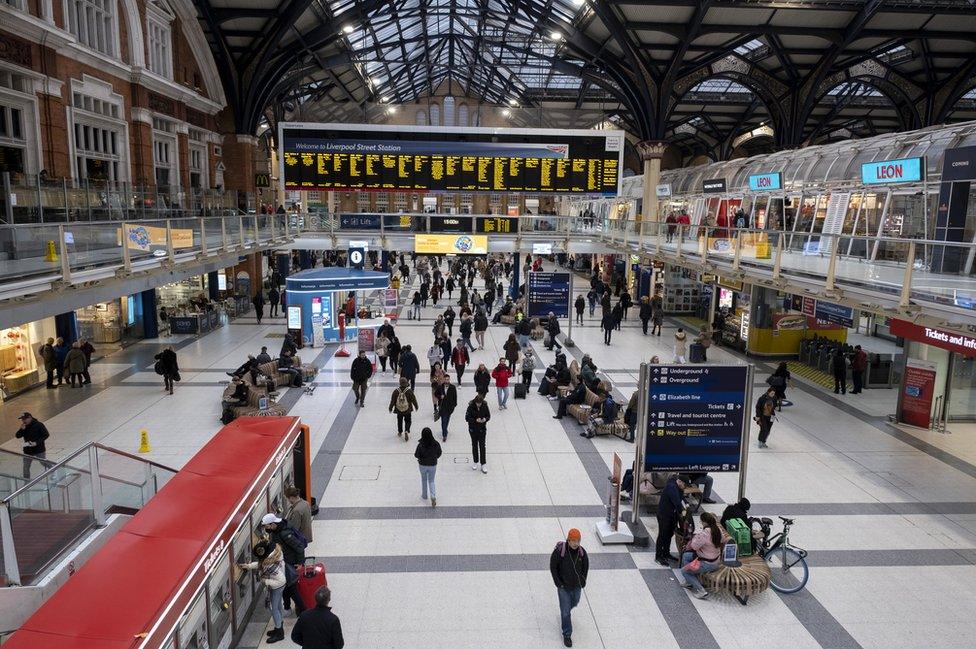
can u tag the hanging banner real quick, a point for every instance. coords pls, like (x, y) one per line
(951, 340)
(888, 172)
(834, 313)
(918, 389)
(145, 237)
(613, 499)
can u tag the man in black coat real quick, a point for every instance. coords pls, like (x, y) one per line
(318, 628)
(577, 396)
(362, 369)
(409, 366)
(387, 329)
(645, 313)
(448, 403)
(569, 566)
(477, 417)
(34, 433)
(553, 328)
(668, 509)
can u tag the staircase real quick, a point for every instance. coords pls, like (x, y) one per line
(40, 535)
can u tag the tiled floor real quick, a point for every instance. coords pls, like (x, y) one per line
(888, 515)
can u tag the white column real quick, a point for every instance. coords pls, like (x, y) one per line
(650, 152)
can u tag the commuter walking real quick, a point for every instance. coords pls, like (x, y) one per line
(403, 402)
(409, 366)
(382, 346)
(74, 364)
(168, 367)
(460, 358)
(319, 628)
(569, 566)
(427, 452)
(606, 323)
(502, 373)
(362, 369)
(299, 513)
(87, 349)
(669, 508)
(482, 379)
(477, 416)
(591, 299)
(657, 314)
(618, 314)
(480, 327)
(271, 566)
(644, 313)
(46, 352)
(838, 363)
(415, 306)
(34, 434)
(258, 302)
(528, 366)
(512, 350)
(580, 305)
(680, 346)
(765, 406)
(274, 298)
(447, 397)
(553, 328)
(467, 326)
(393, 352)
(859, 363)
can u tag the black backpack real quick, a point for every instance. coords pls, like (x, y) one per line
(227, 415)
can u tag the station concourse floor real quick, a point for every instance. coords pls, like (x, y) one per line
(887, 514)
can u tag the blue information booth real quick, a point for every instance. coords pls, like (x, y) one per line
(315, 297)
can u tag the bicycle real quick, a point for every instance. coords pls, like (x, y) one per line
(787, 562)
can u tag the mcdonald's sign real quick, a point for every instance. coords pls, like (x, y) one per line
(262, 180)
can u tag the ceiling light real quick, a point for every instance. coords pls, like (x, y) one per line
(513, 102)
(507, 113)
(390, 110)
(348, 29)
(556, 36)
(384, 99)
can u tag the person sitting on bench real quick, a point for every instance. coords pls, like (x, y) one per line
(605, 411)
(577, 396)
(240, 395)
(704, 481)
(286, 365)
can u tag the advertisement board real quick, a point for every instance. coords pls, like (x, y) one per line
(662, 191)
(366, 338)
(697, 417)
(294, 317)
(450, 224)
(888, 172)
(324, 157)
(449, 244)
(145, 237)
(917, 391)
(713, 186)
(541, 248)
(953, 341)
(766, 182)
(547, 292)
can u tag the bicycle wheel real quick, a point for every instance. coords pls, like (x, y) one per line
(789, 571)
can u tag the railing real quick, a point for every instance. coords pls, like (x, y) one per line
(58, 250)
(50, 513)
(32, 199)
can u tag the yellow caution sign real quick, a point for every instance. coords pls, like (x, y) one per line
(144, 446)
(52, 252)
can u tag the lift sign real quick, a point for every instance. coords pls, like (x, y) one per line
(887, 172)
(766, 182)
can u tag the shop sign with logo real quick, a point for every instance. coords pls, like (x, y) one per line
(662, 191)
(955, 342)
(766, 182)
(889, 172)
(713, 186)
(262, 181)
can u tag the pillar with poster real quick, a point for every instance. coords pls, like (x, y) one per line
(609, 530)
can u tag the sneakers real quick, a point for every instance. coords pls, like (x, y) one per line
(763, 445)
(701, 593)
(685, 584)
(567, 641)
(433, 502)
(474, 466)
(484, 468)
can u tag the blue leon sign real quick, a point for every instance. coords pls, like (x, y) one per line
(696, 417)
(766, 182)
(548, 292)
(888, 172)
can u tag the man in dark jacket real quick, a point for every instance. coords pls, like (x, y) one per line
(318, 628)
(50, 361)
(386, 329)
(553, 328)
(838, 363)
(447, 395)
(409, 366)
(645, 313)
(577, 396)
(668, 509)
(258, 302)
(274, 298)
(569, 566)
(859, 363)
(362, 369)
(33, 433)
(580, 305)
(288, 345)
(477, 416)
(292, 551)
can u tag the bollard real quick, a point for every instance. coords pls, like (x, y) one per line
(144, 446)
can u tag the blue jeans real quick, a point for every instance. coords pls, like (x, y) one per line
(427, 479)
(467, 342)
(445, 420)
(277, 607)
(416, 312)
(568, 599)
(502, 396)
(523, 340)
(691, 577)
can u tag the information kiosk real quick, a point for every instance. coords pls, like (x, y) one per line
(322, 293)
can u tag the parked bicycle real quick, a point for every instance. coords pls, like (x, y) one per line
(787, 563)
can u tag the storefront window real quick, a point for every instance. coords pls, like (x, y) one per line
(20, 367)
(177, 297)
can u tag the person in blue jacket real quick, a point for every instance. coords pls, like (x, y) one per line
(668, 509)
(60, 352)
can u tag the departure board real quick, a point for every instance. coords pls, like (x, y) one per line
(341, 157)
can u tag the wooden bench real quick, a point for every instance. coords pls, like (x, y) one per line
(742, 582)
(271, 369)
(618, 428)
(253, 409)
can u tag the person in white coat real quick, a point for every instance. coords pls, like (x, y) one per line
(272, 572)
(680, 346)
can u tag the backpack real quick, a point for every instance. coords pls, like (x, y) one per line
(402, 403)
(227, 416)
(610, 410)
(298, 537)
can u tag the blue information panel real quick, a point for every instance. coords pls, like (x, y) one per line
(695, 419)
(834, 313)
(548, 292)
(359, 221)
(886, 172)
(766, 182)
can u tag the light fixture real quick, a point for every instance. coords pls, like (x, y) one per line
(348, 29)
(390, 110)
(513, 102)
(384, 99)
(556, 36)
(507, 113)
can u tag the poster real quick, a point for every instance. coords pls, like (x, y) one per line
(696, 417)
(367, 340)
(834, 220)
(613, 513)
(295, 317)
(449, 244)
(918, 389)
(144, 237)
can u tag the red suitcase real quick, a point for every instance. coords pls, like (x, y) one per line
(311, 577)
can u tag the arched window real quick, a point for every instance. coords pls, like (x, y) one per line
(462, 115)
(435, 115)
(421, 118)
(448, 111)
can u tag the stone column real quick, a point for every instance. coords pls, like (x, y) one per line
(650, 152)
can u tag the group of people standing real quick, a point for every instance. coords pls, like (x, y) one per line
(67, 364)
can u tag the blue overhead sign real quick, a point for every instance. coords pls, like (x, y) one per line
(548, 292)
(766, 182)
(889, 172)
(834, 313)
(696, 417)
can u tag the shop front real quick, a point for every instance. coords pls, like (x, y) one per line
(119, 322)
(20, 366)
(333, 304)
(782, 321)
(939, 375)
(190, 303)
(731, 310)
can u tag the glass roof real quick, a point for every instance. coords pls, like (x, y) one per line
(720, 86)
(409, 47)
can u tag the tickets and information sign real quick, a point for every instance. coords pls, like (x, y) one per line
(696, 417)
(323, 157)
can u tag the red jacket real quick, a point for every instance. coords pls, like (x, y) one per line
(501, 375)
(460, 357)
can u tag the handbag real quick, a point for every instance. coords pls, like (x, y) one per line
(693, 565)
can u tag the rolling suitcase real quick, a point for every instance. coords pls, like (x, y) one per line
(311, 577)
(521, 390)
(697, 353)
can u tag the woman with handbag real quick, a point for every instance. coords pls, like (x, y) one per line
(167, 366)
(702, 554)
(779, 380)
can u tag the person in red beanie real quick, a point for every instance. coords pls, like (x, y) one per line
(569, 565)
